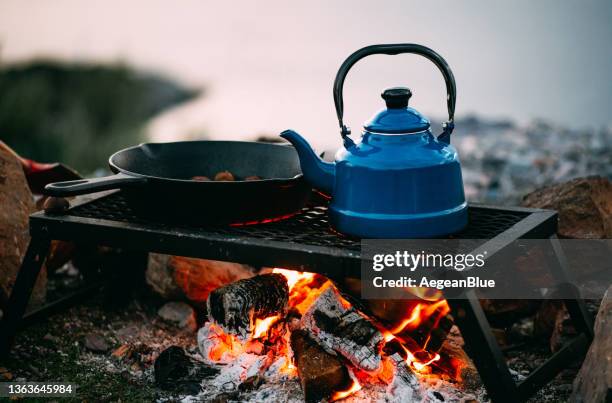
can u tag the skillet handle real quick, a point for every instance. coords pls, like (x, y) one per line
(85, 186)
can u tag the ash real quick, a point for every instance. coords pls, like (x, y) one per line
(278, 387)
(251, 378)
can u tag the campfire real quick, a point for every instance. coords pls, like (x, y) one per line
(286, 324)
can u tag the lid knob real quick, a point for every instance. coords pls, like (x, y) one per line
(396, 97)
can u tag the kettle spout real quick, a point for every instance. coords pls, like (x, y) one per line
(319, 173)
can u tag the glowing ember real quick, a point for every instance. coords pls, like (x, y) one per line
(262, 325)
(414, 317)
(355, 387)
(288, 369)
(271, 336)
(420, 312)
(419, 366)
(222, 346)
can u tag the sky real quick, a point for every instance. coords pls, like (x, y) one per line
(269, 65)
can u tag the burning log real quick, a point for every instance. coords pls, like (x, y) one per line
(321, 373)
(432, 329)
(405, 384)
(235, 307)
(427, 323)
(338, 326)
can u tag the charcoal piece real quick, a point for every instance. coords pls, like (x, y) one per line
(342, 328)
(251, 383)
(236, 306)
(176, 371)
(321, 373)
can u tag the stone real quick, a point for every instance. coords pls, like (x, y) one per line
(594, 381)
(17, 204)
(96, 343)
(546, 317)
(160, 277)
(180, 314)
(177, 277)
(584, 206)
(563, 330)
(56, 205)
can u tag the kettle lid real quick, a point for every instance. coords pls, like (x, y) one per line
(398, 117)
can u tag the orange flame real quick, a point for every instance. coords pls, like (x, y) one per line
(355, 387)
(419, 313)
(227, 343)
(419, 366)
(293, 277)
(414, 317)
(304, 289)
(288, 368)
(262, 325)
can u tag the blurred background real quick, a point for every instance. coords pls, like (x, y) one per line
(79, 80)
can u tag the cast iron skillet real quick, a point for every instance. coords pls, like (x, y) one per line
(156, 180)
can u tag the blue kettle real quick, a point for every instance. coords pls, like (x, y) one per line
(399, 181)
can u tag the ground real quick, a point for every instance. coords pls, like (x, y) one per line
(54, 350)
(132, 335)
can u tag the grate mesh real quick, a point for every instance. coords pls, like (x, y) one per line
(309, 227)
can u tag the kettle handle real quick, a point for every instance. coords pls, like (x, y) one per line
(395, 49)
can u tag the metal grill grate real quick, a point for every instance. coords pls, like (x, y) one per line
(309, 227)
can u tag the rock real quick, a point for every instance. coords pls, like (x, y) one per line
(56, 205)
(563, 330)
(584, 206)
(546, 317)
(180, 314)
(50, 338)
(96, 343)
(16, 205)
(594, 381)
(160, 277)
(176, 277)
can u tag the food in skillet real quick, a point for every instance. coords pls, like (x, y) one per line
(225, 176)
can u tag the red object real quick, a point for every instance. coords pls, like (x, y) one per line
(38, 174)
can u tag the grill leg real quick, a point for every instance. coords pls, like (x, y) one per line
(581, 318)
(22, 290)
(482, 347)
